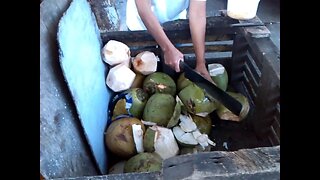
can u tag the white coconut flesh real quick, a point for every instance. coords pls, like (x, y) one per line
(115, 52)
(120, 78)
(215, 69)
(148, 123)
(187, 124)
(183, 137)
(145, 62)
(164, 142)
(193, 137)
(202, 139)
(138, 137)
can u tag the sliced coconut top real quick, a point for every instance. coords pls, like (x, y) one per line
(187, 124)
(138, 137)
(215, 69)
(115, 52)
(120, 78)
(165, 144)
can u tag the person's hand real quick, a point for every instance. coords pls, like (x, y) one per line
(201, 69)
(172, 57)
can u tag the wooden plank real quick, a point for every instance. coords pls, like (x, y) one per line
(124, 176)
(143, 38)
(253, 83)
(256, 163)
(253, 67)
(217, 48)
(213, 23)
(237, 164)
(238, 58)
(268, 94)
(256, 32)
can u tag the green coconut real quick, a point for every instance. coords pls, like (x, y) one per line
(119, 137)
(182, 82)
(143, 162)
(130, 102)
(226, 114)
(176, 114)
(159, 109)
(117, 168)
(148, 140)
(204, 124)
(219, 75)
(196, 101)
(159, 82)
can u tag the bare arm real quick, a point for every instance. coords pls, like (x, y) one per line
(171, 54)
(197, 21)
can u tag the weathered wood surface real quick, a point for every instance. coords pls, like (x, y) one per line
(242, 164)
(257, 163)
(126, 176)
(255, 31)
(63, 149)
(106, 15)
(267, 57)
(177, 31)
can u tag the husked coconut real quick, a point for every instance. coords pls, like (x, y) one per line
(115, 52)
(145, 62)
(120, 78)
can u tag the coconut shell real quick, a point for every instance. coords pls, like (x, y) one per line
(119, 137)
(138, 81)
(148, 140)
(204, 124)
(174, 120)
(182, 82)
(197, 101)
(117, 168)
(143, 162)
(159, 82)
(159, 109)
(226, 114)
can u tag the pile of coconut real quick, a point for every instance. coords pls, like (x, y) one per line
(152, 117)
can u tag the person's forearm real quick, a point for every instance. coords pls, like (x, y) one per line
(152, 24)
(197, 21)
